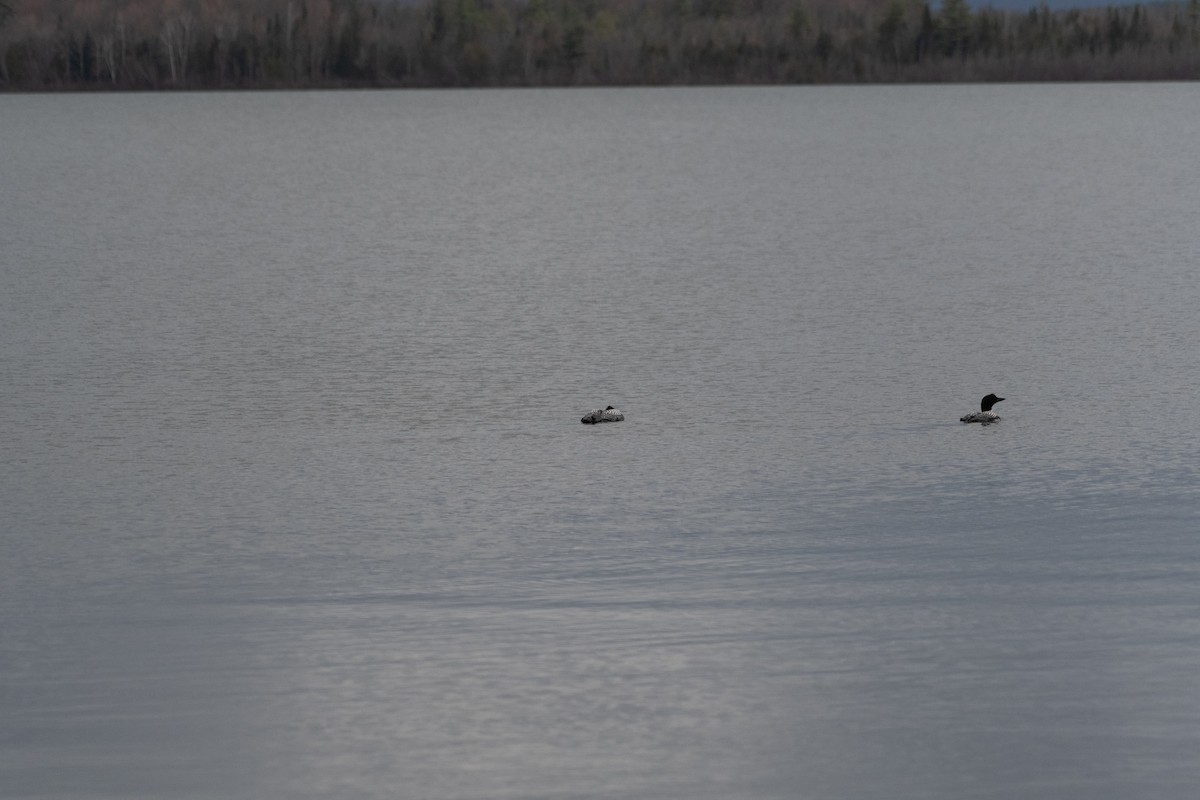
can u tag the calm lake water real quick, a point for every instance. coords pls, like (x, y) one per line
(296, 502)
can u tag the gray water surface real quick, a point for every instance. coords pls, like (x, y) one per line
(296, 502)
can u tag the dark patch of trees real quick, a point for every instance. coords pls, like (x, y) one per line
(207, 44)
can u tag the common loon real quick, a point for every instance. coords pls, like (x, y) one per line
(609, 414)
(985, 413)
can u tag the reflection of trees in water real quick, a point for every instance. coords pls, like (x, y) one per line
(295, 43)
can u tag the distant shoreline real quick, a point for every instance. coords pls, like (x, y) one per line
(88, 90)
(266, 45)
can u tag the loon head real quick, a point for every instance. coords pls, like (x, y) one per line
(610, 408)
(986, 403)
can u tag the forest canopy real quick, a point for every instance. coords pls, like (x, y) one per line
(214, 44)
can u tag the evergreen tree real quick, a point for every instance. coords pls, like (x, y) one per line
(891, 30)
(954, 27)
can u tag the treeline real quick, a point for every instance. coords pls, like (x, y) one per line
(213, 44)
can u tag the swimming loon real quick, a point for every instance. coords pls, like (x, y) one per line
(609, 414)
(985, 413)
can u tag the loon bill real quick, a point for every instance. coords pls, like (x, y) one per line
(985, 413)
(609, 414)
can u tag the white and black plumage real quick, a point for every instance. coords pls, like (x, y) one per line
(985, 413)
(609, 414)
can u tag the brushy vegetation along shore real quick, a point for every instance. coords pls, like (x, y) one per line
(217, 44)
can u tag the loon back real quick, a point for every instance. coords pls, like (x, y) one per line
(609, 414)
